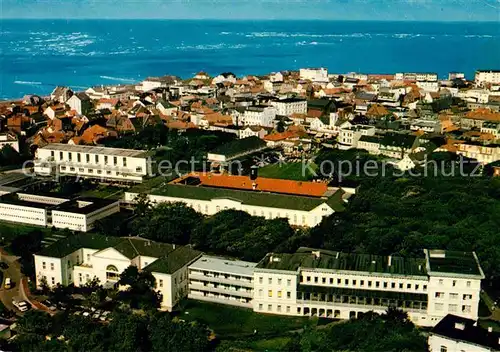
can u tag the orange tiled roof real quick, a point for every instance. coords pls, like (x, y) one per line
(314, 113)
(274, 137)
(483, 114)
(312, 189)
(377, 110)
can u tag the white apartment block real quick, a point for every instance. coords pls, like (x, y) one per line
(348, 137)
(458, 334)
(92, 162)
(339, 285)
(420, 76)
(282, 199)
(221, 280)
(79, 214)
(487, 76)
(314, 74)
(287, 107)
(259, 116)
(79, 259)
(484, 154)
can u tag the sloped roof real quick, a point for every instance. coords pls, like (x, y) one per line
(174, 260)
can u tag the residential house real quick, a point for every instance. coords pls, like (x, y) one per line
(289, 106)
(256, 131)
(80, 102)
(61, 94)
(259, 115)
(348, 137)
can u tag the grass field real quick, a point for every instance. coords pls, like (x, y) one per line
(229, 321)
(288, 171)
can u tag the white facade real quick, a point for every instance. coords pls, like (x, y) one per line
(287, 107)
(487, 76)
(32, 209)
(314, 74)
(8, 139)
(92, 162)
(221, 280)
(106, 258)
(259, 116)
(349, 137)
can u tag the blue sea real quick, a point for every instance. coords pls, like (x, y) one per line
(36, 55)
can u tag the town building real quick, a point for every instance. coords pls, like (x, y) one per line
(80, 102)
(93, 162)
(314, 74)
(332, 284)
(301, 203)
(221, 280)
(238, 148)
(289, 106)
(78, 214)
(458, 334)
(9, 139)
(79, 259)
(484, 154)
(259, 115)
(487, 76)
(348, 137)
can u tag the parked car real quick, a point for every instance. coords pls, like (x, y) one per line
(104, 316)
(86, 314)
(49, 305)
(23, 306)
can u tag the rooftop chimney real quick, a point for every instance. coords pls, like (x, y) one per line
(459, 326)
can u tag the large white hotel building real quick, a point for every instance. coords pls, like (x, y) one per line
(93, 162)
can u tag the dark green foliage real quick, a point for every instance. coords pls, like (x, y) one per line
(140, 293)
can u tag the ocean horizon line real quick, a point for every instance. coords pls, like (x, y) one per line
(240, 20)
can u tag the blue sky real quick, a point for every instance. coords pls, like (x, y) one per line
(413, 10)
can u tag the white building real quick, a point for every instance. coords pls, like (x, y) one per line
(80, 102)
(79, 259)
(289, 106)
(93, 162)
(78, 214)
(349, 136)
(314, 74)
(9, 139)
(253, 131)
(420, 76)
(487, 76)
(259, 116)
(221, 280)
(458, 334)
(302, 203)
(339, 285)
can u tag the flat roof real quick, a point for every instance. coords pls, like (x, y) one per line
(222, 265)
(13, 199)
(453, 262)
(309, 258)
(96, 150)
(73, 206)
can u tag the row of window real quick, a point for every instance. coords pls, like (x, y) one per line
(98, 171)
(279, 308)
(465, 297)
(52, 280)
(20, 208)
(454, 283)
(279, 281)
(44, 266)
(10, 216)
(439, 307)
(279, 294)
(87, 158)
(369, 283)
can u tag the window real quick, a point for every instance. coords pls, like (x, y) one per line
(385, 284)
(270, 293)
(278, 308)
(52, 153)
(78, 157)
(441, 281)
(87, 158)
(261, 307)
(323, 280)
(468, 283)
(112, 273)
(80, 277)
(408, 286)
(467, 297)
(51, 266)
(279, 294)
(43, 265)
(217, 208)
(425, 287)
(443, 349)
(416, 287)
(339, 281)
(452, 308)
(315, 279)
(288, 282)
(400, 285)
(69, 263)
(60, 155)
(279, 281)
(361, 282)
(438, 307)
(354, 282)
(77, 259)
(393, 285)
(453, 295)
(91, 171)
(69, 156)
(369, 284)
(270, 281)
(53, 280)
(466, 309)
(97, 159)
(377, 284)
(439, 295)
(288, 294)
(161, 283)
(308, 278)
(269, 307)
(288, 309)
(261, 279)
(105, 160)
(346, 282)
(454, 283)
(115, 160)
(88, 257)
(124, 161)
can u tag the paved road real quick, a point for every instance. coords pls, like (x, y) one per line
(14, 273)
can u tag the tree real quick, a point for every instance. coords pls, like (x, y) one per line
(140, 292)
(35, 322)
(142, 204)
(129, 332)
(168, 222)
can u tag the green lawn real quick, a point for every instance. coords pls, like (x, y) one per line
(9, 231)
(288, 171)
(253, 344)
(229, 321)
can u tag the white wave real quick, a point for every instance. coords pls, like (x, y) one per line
(211, 46)
(478, 36)
(119, 79)
(28, 83)
(224, 33)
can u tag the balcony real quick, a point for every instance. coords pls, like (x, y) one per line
(220, 279)
(219, 300)
(231, 291)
